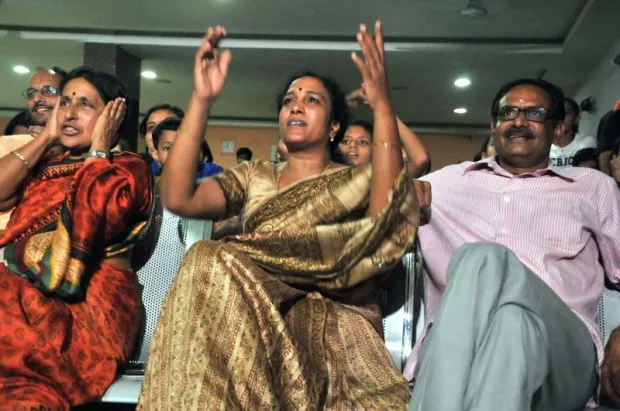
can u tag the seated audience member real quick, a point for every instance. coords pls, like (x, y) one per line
(567, 140)
(244, 154)
(515, 254)
(586, 157)
(614, 163)
(357, 145)
(151, 119)
(298, 324)
(164, 137)
(609, 132)
(18, 124)
(69, 300)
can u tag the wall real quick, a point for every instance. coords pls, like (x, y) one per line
(444, 149)
(604, 85)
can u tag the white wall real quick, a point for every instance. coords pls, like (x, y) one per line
(604, 84)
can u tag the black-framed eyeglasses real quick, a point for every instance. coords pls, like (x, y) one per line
(46, 91)
(535, 114)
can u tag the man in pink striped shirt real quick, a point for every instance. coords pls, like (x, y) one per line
(516, 253)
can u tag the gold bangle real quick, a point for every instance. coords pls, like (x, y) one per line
(385, 144)
(22, 158)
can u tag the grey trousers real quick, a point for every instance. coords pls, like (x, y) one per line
(502, 340)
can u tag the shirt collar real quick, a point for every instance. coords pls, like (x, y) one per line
(491, 163)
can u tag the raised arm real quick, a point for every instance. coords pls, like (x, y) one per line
(16, 169)
(179, 191)
(387, 161)
(414, 149)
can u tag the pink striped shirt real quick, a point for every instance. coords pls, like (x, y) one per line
(561, 223)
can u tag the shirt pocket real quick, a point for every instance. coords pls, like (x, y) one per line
(555, 223)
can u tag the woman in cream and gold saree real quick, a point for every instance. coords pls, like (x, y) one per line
(285, 316)
(69, 301)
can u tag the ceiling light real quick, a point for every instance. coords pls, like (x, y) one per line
(21, 69)
(149, 74)
(462, 82)
(474, 10)
(460, 110)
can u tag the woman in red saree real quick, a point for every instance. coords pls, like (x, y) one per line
(69, 301)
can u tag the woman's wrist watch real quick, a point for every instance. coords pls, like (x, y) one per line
(98, 154)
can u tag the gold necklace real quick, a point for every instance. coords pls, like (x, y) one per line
(279, 175)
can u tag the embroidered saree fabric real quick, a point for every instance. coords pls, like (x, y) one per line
(285, 315)
(68, 319)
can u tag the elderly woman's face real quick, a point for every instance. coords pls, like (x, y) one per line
(80, 107)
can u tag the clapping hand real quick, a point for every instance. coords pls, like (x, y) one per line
(211, 65)
(372, 67)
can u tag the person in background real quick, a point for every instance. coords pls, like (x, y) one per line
(586, 157)
(164, 136)
(487, 150)
(357, 145)
(244, 154)
(567, 140)
(69, 300)
(19, 124)
(151, 119)
(41, 95)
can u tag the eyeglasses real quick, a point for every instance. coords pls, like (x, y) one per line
(535, 114)
(46, 91)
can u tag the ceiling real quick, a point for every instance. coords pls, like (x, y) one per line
(429, 44)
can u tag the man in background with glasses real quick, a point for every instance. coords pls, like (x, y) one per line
(515, 253)
(41, 95)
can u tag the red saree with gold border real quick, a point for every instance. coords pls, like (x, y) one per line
(68, 320)
(285, 316)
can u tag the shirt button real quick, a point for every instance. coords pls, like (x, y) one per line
(506, 199)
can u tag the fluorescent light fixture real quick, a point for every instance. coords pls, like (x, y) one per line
(274, 44)
(460, 110)
(149, 74)
(21, 69)
(462, 82)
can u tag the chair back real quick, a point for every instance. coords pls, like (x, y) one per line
(171, 237)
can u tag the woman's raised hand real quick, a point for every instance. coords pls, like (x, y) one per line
(211, 65)
(372, 66)
(108, 124)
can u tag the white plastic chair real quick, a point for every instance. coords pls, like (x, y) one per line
(172, 236)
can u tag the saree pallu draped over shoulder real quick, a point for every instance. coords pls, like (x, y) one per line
(67, 318)
(285, 316)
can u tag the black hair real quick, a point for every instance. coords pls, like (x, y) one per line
(20, 119)
(173, 124)
(339, 107)
(616, 147)
(478, 156)
(165, 106)
(245, 152)
(573, 104)
(585, 154)
(108, 86)
(363, 124)
(556, 95)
